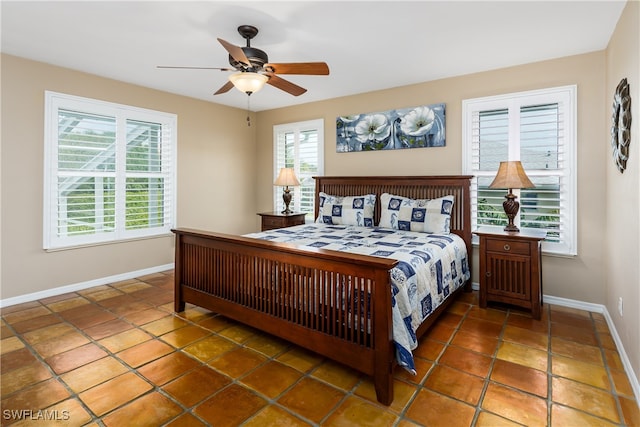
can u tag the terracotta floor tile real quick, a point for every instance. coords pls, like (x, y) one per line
(210, 347)
(184, 336)
(100, 293)
(521, 377)
(607, 341)
(621, 383)
(30, 313)
(267, 345)
(585, 398)
(526, 337)
(11, 344)
(481, 327)
(70, 413)
(456, 384)
(435, 410)
(477, 343)
(613, 359)
(162, 326)
(230, 408)
(36, 323)
(271, 379)
(429, 349)
(466, 361)
(107, 329)
(579, 318)
(146, 352)
(337, 375)
(93, 373)
(72, 359)
(88, 321)
(300, 359)
(238, 333)
(357, 411)
(312, 399)
(422, 367)
(487, 419)
(238, 362)
(196, 385)
(577, 351)
(402, 393)
(145, 316)
(574, 333)
(114, 393)
(186, 420)
(215, 323)
(167, 368)
(516, 406)
(22, 377)
(41, 395)
(459, 307)
(16, 359)
(48, 333)
(490, 314)
(563, 416)
(527, 322)
(630, 411)
(60, 344)
(152, 409)
(440, 333)
(196, 314)
(123, 340)
(272, 416)
(133, 286)
(580, 371)
(450, 319)
(84, 310)
(68, 304)
(4, 311)
(523, 355)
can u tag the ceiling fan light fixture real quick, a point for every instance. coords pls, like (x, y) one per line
(248, 82)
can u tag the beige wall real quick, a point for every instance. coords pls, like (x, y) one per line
(214, 143)
(622, 237)
(582, 277)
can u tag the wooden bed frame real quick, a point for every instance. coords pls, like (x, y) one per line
(298, 294)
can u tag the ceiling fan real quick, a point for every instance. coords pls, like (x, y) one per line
(254, 69)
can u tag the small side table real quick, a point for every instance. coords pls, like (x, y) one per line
(271, 220)
(511, 268)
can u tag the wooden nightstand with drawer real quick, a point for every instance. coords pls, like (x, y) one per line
(511, 268)
(271, 220)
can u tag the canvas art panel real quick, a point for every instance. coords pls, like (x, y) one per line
(415, 127)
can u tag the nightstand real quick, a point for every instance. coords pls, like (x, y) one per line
(511, 268)
(271, 220)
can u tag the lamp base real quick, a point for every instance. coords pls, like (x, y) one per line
(511, 207)
(286, 196)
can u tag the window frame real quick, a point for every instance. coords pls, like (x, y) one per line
(296, 128)
(565, 95)
(122, 115)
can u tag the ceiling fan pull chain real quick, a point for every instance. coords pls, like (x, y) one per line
(248, 109)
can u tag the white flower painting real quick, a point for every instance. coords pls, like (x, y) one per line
(395, 129)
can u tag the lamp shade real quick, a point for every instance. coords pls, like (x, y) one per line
(287, 177)
(248, 82)
(511, 175)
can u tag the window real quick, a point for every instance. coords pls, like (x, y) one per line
(109, 172)
(299, 146)
(539, 129)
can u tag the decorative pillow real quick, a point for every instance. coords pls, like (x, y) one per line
(350, 210)
(402, 213)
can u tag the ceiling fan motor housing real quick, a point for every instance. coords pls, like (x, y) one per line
(256, 56)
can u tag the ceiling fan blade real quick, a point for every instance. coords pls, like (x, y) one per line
(310, 68)
(196, 68)
(225, 88)
(285, 85)
(235, 51)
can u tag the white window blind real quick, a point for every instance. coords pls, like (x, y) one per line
(299, 146)
(538, 128)
(109, 172)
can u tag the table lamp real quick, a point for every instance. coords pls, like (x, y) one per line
(511, 175)
(286, 178)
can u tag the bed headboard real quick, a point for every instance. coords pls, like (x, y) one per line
(414, 187)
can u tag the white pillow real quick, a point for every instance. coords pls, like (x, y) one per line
(402, 213)
(349, 210)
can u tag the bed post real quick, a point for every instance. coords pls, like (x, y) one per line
(178, 300)
(383, 338)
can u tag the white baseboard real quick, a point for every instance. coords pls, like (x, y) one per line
(596, 308)
(83, 285)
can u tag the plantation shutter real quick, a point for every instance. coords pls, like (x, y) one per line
(538, 131)
(109, 172)
(299, 146)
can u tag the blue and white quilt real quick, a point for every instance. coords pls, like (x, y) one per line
(431, 267)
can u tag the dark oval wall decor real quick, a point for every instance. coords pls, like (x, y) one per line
(621, 127)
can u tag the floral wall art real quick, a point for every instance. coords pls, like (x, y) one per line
(391, 130)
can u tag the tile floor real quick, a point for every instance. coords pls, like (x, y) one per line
(117, 355)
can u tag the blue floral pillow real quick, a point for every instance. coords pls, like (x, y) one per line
(349, 210)
(424, 215)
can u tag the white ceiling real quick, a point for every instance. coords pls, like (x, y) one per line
(368, 45)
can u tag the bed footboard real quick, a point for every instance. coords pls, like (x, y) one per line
(335, 304)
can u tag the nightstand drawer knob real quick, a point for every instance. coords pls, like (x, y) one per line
(488, 274)
(507, 247)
